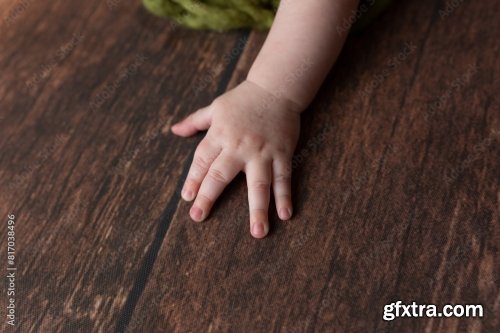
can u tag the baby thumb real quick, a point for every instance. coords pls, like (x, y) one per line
(197, 121)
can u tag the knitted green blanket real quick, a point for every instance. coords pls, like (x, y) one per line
(222, 15)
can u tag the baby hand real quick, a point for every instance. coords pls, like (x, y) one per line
(249, 130)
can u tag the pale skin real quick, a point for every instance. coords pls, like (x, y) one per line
(254, 127)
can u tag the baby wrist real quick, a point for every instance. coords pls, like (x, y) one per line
(277, 95)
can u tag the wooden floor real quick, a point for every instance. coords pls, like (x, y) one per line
(396, 176)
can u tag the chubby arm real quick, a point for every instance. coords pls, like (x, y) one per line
(254, 127)
(301, 47)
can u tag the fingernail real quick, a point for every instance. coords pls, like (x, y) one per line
(196, 213)
(187, 194)
(285, 213)
(258, 230)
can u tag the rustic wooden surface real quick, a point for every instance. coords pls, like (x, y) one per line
(396, 195)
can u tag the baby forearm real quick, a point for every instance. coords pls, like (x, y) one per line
(301, 47)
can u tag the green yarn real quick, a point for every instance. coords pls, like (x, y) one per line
(217, 15)
(223, 15)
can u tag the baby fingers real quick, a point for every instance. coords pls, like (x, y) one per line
(282, 187)
(205, 154)
(220, 174)
(259, 175)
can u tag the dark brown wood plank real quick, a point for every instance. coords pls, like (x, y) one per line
(85, 89)
(396, 197)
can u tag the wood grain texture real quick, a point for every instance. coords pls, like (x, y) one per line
(396, 198)
(84, 167)
(395, 177)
